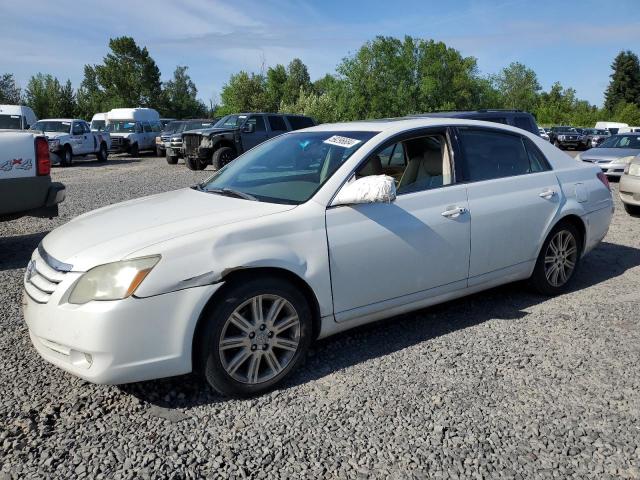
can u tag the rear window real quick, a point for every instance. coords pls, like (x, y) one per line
(13, 122)
(300, 122)
(522, 122)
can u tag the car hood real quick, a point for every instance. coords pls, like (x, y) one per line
(114, 232)
(209, 131)
(608, 153)
(54, 135)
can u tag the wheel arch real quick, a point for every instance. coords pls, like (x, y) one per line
(234, 276)
(575, 220)
(224, 143)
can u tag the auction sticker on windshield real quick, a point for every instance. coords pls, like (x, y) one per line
(339, 141)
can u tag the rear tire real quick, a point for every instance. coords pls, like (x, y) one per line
(222, 156)
(244, 348)
(134, 150)
(194, 163)
(558, 260)
(631, 209)
(67, 157)
(103, 153)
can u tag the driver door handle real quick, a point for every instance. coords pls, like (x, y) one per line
(454, 212)
(547, 193)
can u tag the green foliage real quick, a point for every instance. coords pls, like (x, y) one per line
(243, 93)
(297, 81)
(625, 81)
(180, 97)
(48, 98)
(9, 90)
(90, 98)
(518, 87)
(275, 87)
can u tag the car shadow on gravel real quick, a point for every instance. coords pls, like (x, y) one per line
(508, 302)
(15, 251)
(90, 162)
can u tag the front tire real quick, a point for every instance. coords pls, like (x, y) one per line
(172, 159)
(254, 337)
(134, 150)
(193, 163)
(558, 260)
(67, 157)
(222, 156)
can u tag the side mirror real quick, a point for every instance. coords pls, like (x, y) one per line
(249, 128)
(371, 189)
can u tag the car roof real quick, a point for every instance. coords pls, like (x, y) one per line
(62, 120)
(397, 125)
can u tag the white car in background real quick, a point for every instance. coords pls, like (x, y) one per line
(308, 234)
(543, 134)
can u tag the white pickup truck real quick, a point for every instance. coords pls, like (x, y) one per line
(25, 182)
(71, 137)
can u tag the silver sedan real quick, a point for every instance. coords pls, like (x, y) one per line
(614, 154)
(630, 187)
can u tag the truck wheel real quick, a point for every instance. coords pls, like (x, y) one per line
(103, 153)
(194, 163)
(67, 156)
(172, 159)
(222, 156)
(133, 150)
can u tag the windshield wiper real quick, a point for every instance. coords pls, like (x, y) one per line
(231, 193)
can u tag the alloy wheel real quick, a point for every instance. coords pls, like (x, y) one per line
(259, 339)
(560, 258)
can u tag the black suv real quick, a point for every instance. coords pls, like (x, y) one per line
(566, 137)
(515, 118)
(235, 134)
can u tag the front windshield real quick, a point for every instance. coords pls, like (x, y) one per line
(194, 125)
(98, 125)
(12, 122)
(230, 121)
(52, 126)
(118, 126)
(565, 129)
(622, 141)
(288, 169)
(172, 127)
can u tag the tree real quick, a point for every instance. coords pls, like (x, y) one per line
(243, 92)
(128, 77)
(180, 96)
(625, 81)
(275, 87)
(90, 98)
(9, 90)
(48, 98)
(518, 87)
(297, 79)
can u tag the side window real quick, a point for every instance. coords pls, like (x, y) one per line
(537, 161)
(298, 122)
(156, 127)
(277, 124)
(77, 129)
(416, 164)
(258, 121)
(488, 154)
(86, 128)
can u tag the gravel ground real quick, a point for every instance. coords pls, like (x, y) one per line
(503, 384)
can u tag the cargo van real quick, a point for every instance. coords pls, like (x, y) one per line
(133, 129)
(99, 122)
(613, 127)
(16, 117)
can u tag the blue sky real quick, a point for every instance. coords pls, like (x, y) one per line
(572, 42)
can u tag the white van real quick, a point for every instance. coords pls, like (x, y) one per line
(133, 129)
(16, 117)
(613, 127)
(99, 122)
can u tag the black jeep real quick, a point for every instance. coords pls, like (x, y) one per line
(235, 134)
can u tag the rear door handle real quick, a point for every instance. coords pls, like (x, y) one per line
(454, 212)
(547, 194)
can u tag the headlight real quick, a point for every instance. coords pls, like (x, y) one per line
(579, 157)
(54, 144)
(628, 159)
(112, 281)
(560, 137)
(634, 169)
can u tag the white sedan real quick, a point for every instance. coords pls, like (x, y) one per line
(306, 235)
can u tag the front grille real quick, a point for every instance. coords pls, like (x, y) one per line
(43, 275)
(117, 141)
(191, 143)
(165, 138)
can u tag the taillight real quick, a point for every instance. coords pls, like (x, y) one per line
(603, 178)
(43, 162)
